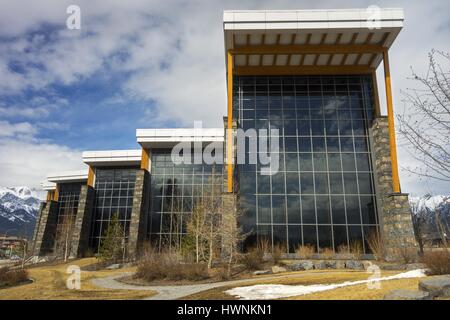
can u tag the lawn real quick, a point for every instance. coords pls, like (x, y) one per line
(358, 292)
(50, 283)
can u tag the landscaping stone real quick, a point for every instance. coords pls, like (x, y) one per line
(437, 286)
(407, 295)
(331, 264)
(393, 267)
(300, 266)
(261, 272)
(320, 265)
(354, 265)
(340, 264)
(113, 266)
(278, 269)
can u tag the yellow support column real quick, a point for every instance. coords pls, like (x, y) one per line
(377, 110)
(390, 112)
(91, 174)
(145, 159)
(230, 122)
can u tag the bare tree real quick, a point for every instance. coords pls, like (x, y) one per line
(64, 231)
(426, 126)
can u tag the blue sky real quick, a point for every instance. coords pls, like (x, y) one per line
(137, 64)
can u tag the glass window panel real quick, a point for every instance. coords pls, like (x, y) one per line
(310, 236)
(304, 144)
(340, 239)
(362, 161)
(304, 127)
(325, 237)
(336, 186)
(306, 183)
(278, 183)
(334, 162)
(338, 209)
(365, 184)
(321, 183)
(290, 144)
(291, 161)
(263, 184)
(318, 144)
(317, 128)
(348, 162)
(305, 161)
(323, 209)
(264, 215)
(352, 206)
(280, 235)
(308, 209)
(350, 183)
(293, 209)
(368, 210)
(320, 162)
(295, 237)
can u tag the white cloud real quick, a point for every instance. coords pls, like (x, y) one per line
(8, 129)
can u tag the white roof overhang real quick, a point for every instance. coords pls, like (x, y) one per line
(112, 158)
(67, 176)
(309, 41)
(166, 138)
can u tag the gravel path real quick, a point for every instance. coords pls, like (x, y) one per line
(177, 292)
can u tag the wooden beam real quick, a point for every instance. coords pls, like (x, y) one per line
(247, 43)
(352, 42)
(145, 159)
(307, 49)
(91, 176)
(289, 57)
(301, 70)
(376, 98)
(230, 122)
(336, 42)
(390, 112)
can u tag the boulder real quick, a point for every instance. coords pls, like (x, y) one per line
(407, 295)
(436, 286)
(340, 264)
(300, 266)
(278, 269)
(261, 272)
(354, 265)
(331, 264)
(320, 265)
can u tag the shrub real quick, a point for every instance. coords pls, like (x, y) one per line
(254, 258)
(438, 262)
(356, 249)
(376, 245)
(277, 253)
(405, 254)
(169, 266)
(327, 253)
(306, 251)
(12, 277)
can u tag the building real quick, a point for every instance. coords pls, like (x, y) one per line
(311, 76)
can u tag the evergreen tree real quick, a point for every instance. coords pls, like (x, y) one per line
(112, 247)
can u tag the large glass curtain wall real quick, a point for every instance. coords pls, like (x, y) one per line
(323, 194)
(114, 190)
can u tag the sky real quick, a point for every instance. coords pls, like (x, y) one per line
(148, 64)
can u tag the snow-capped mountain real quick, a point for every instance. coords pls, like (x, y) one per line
(19, 207)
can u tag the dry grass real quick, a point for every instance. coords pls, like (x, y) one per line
(294, 278)
(50, 284)
(305, 252)
(361, 292)
(438, 262)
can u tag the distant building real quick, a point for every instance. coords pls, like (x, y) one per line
(311, 76)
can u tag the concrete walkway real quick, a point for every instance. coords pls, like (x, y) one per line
(180, 291)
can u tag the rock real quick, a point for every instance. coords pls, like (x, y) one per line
(113, 266)
(407, 295)
(261, 272)
(340, 264)
(300, 266)
(437, 286)
(331, 264)
(278, 269)
(320, 265)
(414, 266)
(369, 264)
(354, 265)
(393, 267)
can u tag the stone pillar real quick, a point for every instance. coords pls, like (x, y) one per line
(83, 222)
(45, 231)
(394, 212)
(228, 221)
(138, 223)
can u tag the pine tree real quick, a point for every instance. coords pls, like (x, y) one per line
(112, 247)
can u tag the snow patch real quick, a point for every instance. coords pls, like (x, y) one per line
(275, 291)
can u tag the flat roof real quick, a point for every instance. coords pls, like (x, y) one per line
(290, 38)
(68, 176)
(165, 138)
(107, 158)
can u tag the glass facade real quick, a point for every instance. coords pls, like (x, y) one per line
(114, 191)
(323, 194)
(175, 189)
(68, 198)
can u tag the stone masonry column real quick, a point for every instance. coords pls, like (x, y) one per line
(46, 228)
(394, 213)
(83, 222)
(138, 223)
(228, 221)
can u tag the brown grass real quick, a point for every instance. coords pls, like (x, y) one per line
(438, 262)
(305, 252)
(327, 253)
(12, 277)
(50, 284)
